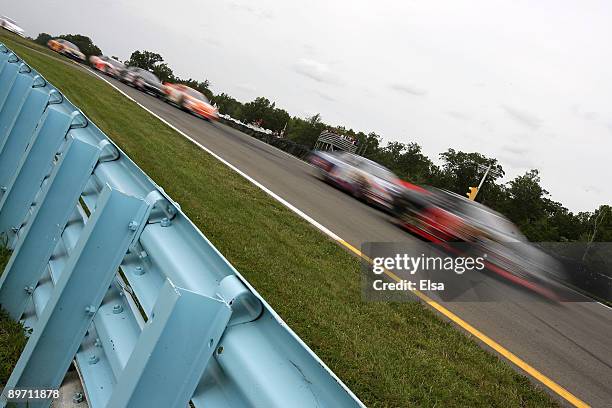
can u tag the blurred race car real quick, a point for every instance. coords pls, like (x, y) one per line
(190, 100)
(143, 80)
(11, 25)
(107, 65)
(362, 178)
(442, 216)
(66, 48)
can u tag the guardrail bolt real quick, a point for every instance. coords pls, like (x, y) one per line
(90, 310)
(171, 210)
(139, 270)
(143, 254)
(165, 222)
(98, 343)
(133, 225)
(3, 189)
(77, 398)
(29, 290)
(93, 359)
(117, 309)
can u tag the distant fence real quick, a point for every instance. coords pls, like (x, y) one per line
(289, 146)
(109, 273)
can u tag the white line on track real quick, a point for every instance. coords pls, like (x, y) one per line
(271, 193)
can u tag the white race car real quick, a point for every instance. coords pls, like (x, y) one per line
(11, 25)
(362, 178)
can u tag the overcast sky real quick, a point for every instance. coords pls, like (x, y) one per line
(527, 82)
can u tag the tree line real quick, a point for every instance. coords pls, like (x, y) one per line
(523, 200)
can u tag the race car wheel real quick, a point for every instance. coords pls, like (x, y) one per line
(321, 174)
(360, 189)
(367, 195)
(181, 104)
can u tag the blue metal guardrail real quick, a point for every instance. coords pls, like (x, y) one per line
(109, 273)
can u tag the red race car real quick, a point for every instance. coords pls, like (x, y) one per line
(107, 65)
(441, 216)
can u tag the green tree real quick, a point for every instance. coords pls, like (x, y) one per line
(144, 59)
(84, 43)
(256, 110)
(305, 131)
(527, 206)
(406, 160)
(277, 119)
(460, 170)
(599, 225)
(43, 39)
(368, 144)
(164, 72)
(228, 105)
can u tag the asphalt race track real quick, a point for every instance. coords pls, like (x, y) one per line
(570, 343)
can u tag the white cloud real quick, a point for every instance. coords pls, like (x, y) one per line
(325, 96)
(458, 115)
(523, 117)
(254, 11)
(315, 70)
(408, 89)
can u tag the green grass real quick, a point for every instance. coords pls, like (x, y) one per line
(390, 355)
(12, 334)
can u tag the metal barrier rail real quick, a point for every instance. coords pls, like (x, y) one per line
(109, 273)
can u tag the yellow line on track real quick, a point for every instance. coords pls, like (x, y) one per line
(553, 386)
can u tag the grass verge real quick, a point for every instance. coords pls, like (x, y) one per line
(388, 354)
(12, 334)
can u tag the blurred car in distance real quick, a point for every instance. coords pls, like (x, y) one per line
(190, 100)
(11, 25)
(66, 48)
(143, 80)
(360, 177)
(108, 65)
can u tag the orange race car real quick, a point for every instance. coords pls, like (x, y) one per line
(190, 100)
(66, 48)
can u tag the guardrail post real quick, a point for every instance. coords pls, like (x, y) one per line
(5, 55)
(16, 98)
(173, 350)
(7, 77)
(26, 181)
(78, 293)
(40, 235)
(21, 130)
